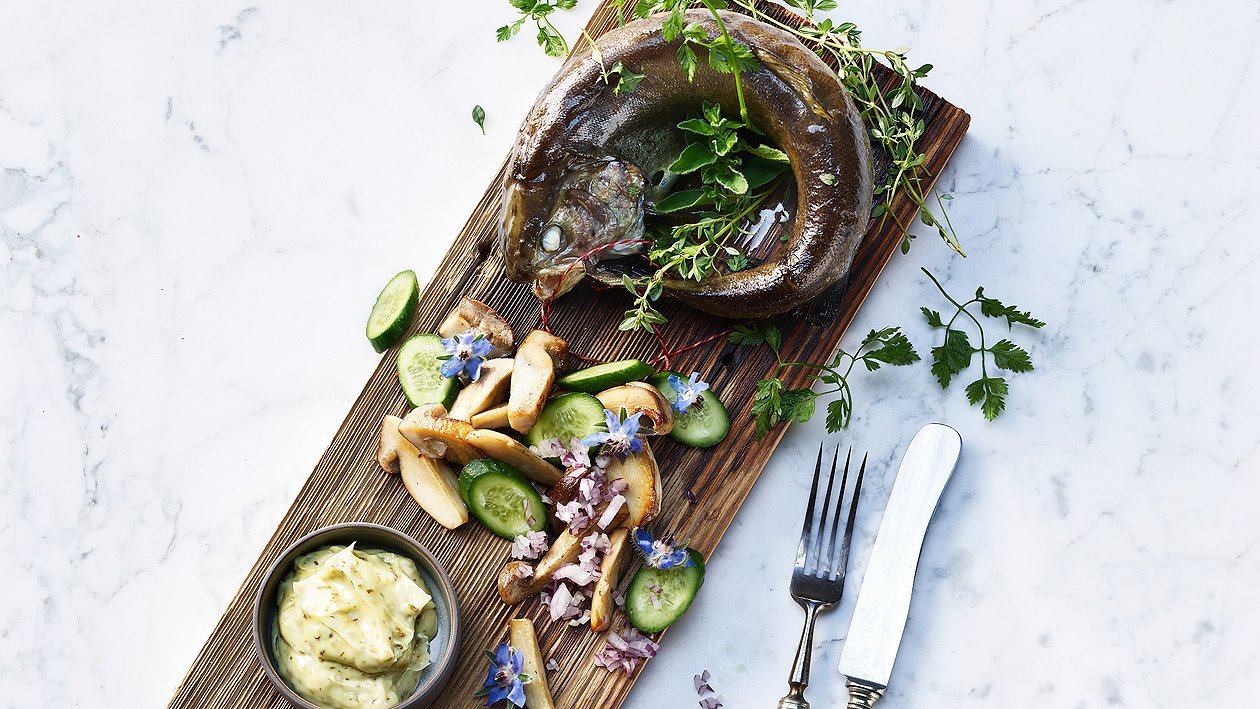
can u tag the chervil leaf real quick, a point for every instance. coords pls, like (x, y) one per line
(951, 357)
(1010, 356)
(627, 80)
(797, 405)
(993, 308)
(767, 406)
(687, 61)
(894, 349)
(990, 393)
(839, 413)
(933, 317)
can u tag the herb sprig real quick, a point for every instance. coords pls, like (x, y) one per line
(893, 116)
(549, 38)
(774, 403)
(737, 178)
(954, 354)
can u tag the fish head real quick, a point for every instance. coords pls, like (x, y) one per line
(591, 207)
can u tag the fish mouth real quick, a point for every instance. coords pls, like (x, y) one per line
(596, 205)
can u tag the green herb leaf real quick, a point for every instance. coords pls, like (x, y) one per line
(990, 393)
(951, 357)
(693, 157)
(1011, 357)
(479, 117)
(827, 178)
(678, 201)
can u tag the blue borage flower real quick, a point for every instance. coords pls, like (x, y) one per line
(505, 680)
(465, 353)
(661, 553)
(686, 391)
(622, 437)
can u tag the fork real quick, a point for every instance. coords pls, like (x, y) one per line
(818, 577)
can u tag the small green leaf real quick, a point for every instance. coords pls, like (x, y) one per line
(693, 157)
(678, 201)
(933, 317)
(732, 179)
(479, 117)
(1011, 357)
(766, 152)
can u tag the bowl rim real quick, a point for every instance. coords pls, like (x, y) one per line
(417, 553)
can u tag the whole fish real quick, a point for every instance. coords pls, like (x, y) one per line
(588, 162)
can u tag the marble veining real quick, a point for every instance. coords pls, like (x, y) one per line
(180, 185)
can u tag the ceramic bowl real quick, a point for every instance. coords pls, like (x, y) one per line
(443, 645)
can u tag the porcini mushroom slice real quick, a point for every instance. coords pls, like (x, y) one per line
(475, 315)
(521, 636)
(643, 484)
(493, 418)
(432, 484)
(638, 397)
(388, 443)
(519, 580)
(436, 435)
(610, 573)
(516, 582)
(532, 377)
(490, 388)
(507, 449)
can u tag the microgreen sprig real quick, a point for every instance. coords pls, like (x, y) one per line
(627, 79)
(549, 38)
(955, 353)
(774, 403)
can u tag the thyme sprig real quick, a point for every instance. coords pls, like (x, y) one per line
(893, 116)
(954, 354)
(774, 403)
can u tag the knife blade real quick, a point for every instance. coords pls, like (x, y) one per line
(883, 603)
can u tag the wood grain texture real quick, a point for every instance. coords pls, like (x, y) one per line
(346, 484)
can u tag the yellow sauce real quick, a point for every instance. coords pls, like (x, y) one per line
(353, 627)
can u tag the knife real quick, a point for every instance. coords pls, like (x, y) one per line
(879, 617)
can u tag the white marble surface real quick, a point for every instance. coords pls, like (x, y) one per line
(198, 201)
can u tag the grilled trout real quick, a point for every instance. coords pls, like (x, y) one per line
(588, 162)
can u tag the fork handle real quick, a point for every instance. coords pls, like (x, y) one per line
(863, 695)
(795, 698)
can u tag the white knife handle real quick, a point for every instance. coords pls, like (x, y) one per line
(862, 695)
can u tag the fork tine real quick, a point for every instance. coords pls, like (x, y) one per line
(806, 542)
(843, 561)
(820, 561)
(835, 522)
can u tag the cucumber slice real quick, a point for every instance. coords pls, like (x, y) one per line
(393, 310)
(506, 503)
(704, 424)
(605, 376)
(568, 416)
(658, 597)
(476, 468)
(420, 372)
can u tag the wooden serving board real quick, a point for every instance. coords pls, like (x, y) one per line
(702, 488)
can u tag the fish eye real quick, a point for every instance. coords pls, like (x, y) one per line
(551, 238)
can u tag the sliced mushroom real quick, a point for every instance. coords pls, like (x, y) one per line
(643, 484)
(490, 388)
(516, 582)
(436, 435)
(387, 444)
(475, 315)
(509, 450)
(638, 397)
(521, 636)
(431, 482)
(609, 574)
(494, 418)
(532, 378)
(519, 580)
